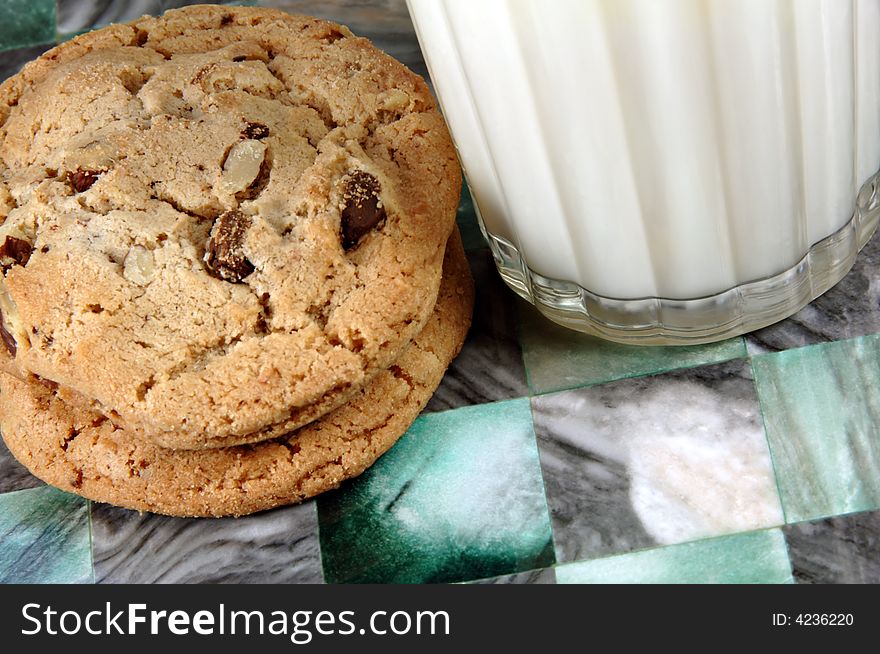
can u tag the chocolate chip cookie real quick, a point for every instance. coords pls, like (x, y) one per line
(218, 224)
(85, 452)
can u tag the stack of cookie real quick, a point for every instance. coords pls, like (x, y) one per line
(230, 273)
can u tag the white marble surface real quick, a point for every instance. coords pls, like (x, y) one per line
(700, 466)
(655, 461)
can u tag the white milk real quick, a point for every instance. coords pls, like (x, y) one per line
(659, 148)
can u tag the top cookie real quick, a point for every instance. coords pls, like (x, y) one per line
(217, 220)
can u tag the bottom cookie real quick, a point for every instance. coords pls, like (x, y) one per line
(83, 452)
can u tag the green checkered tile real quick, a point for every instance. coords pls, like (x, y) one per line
(557, 358)
(459, 497)
(643, 451)
(471, 236)
(45, 537)
(26, 22)
(752, 558)
(821, 408)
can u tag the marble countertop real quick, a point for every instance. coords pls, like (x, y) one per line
(545, 456)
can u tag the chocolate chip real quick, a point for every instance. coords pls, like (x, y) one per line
(48, 383)
(332, 36)
(7, 338)
(255, 131)
(223, 252)
(363, 209)
(82, 180)
(16, 249)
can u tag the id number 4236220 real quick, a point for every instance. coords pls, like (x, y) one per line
(813, 620)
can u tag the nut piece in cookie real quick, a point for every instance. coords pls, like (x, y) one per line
(14, 251)
(363, 208)
(82, 180)
(138, 266)
(242, 165)
(224, 257)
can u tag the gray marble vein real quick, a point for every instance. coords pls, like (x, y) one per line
(655, 461)
(12, 60)
(841, 550)
(78, 15)
(542, 576)
(587, 487)
(279, 546)
(490, 366)
(13, 475)
(385, 22)
(850, 309)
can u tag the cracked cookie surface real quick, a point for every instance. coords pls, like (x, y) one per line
(83, 452)
(218, 224)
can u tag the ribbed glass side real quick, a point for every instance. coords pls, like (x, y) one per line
(659, 321)
(675, 149)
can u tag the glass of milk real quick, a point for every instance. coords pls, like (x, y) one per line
(664, 171)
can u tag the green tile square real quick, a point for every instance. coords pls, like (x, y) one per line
(821, 408)
(558, 358)
(460, 497)
(26, 22)
(471, 236)
(758, 557)
(44, 537)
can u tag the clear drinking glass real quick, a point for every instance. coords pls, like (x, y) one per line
(664, 171)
